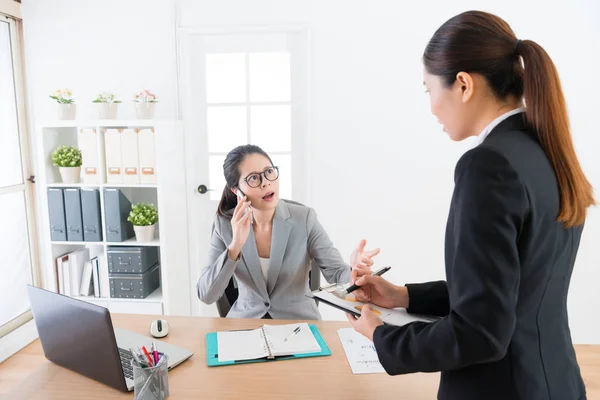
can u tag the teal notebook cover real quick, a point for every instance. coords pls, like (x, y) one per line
(212, 351)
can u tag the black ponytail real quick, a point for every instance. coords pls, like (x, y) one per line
(232, 176)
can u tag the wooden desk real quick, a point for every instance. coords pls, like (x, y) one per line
(310, 378)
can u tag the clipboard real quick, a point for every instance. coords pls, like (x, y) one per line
(212, 351)
(389, 316)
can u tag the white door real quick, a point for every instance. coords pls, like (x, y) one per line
(239, 87)
(16, 192)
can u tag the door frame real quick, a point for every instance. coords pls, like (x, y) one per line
(195, 133)
(27, 167)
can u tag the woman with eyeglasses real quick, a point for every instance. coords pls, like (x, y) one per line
(268, 244)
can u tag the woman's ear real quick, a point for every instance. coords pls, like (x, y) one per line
(466, 85)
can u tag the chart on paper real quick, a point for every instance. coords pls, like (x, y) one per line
(360, 352)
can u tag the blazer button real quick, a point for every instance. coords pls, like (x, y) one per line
(267, 304)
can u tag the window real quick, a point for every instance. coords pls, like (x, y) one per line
(248, 100)
(15, 190)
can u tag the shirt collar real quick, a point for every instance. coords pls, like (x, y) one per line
(495, 123)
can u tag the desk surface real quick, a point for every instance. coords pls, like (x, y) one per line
(309, 378)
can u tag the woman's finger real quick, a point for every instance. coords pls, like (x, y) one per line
(241, 211)
(239, 204)
(372, 253)
(243, 221)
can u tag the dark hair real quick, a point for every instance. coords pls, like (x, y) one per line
(232, 175)
(479, 42)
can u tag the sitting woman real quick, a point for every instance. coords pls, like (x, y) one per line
(268, 245)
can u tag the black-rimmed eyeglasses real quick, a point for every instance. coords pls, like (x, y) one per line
(255, 180)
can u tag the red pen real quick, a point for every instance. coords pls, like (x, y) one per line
(148, 356)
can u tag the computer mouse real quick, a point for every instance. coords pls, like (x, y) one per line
(159, 328)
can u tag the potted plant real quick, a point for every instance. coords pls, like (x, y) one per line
(144, 217)
(144, 104)
(66, 103)
(107, 105)
(68, 160)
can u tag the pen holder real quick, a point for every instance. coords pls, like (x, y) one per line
(151, 383)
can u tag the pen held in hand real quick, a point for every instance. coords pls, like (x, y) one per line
(380, 272)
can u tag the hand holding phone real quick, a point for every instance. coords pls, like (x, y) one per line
(240, 196)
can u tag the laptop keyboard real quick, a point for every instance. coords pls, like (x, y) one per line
(126, 358)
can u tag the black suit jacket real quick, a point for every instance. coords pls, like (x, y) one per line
(504, 332)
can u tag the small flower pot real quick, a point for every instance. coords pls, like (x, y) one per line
(70, 174)
(144, 234)
(107, 110)
(66, 111)
(145, 110)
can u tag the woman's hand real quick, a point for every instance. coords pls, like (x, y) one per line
(361, 259)
(366, 323)
(378, 291)
(240, 227)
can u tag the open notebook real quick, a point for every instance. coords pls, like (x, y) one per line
(265, 343)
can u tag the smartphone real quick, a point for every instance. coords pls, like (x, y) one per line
(249, 209)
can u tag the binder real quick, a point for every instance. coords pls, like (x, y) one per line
(96, 277)
(212, 351)
(116, 209)
(90, 212)
(86, 286)
(56, 213)
(112, 146)
(77, 261)
(147, 154)
(88, 144)
(130, 156)
(73, 215)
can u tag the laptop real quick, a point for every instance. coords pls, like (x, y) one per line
(80, 336)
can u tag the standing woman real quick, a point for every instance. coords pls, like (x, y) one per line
(515, 223)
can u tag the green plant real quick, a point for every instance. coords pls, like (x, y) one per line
(63, 96)
(66, 156)
(143, 214)
(105, 97)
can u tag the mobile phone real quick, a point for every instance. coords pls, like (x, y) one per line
(241, 195)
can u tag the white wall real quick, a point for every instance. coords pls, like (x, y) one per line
(380, 166)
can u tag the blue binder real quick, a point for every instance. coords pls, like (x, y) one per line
(212, 351)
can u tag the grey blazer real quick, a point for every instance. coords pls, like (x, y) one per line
(297, 238)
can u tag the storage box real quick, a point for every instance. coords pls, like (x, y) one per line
(128, 260)
(134, 286)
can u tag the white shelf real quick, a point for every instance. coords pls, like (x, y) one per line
(129, 242)
(129, 185)
(102, 123)
(103, 185)
(133, 242)
(154, 297)
(67, 243)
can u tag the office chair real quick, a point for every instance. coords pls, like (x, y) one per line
(231, 292)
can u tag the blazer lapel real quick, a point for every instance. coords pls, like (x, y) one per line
(279, 240)
(250, 255)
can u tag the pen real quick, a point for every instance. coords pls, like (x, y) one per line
(136, 358)
(148, 355)
(377, 273)
(293, 333)
(154, 352)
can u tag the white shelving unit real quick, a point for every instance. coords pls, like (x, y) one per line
(170, 184)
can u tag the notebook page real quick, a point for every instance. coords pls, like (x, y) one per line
(241, 345)
(360, 352)
(300, 343)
